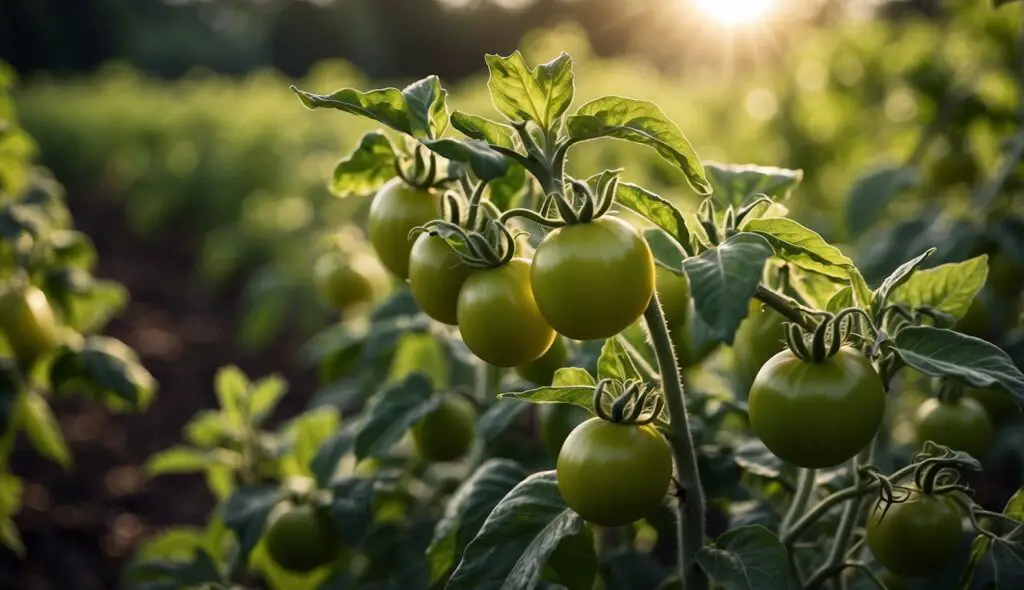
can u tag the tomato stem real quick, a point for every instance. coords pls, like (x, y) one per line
(690, 525)
(790, 536)
(804, 491)
(848, 521)
(784, 305)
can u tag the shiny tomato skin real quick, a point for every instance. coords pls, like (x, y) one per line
(436, 275)
(498, 316)
(347, 282)
(301, 538)
(592, 280)
(542, 371)
(556, 421)
(27, 322)
(917, 537)
(612, 474)
(760, 337)
(396, 209)
(816, 415)
(447, 433)
(963, 425)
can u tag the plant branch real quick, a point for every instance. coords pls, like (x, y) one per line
(821, 508)
(638, 359)
(784, 305)
(690, 525)
(804, 491)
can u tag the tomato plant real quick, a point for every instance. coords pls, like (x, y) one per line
(915, 537)
(962, 424)
(396, 210)
(447, 432)
(300, 538)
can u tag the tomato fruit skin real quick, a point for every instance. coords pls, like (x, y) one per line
(344, 283)
(997, 403)
(27, 322)
(556, 421)
(498, 316)
(396, 209)
(816, 415)
(301, 538)
(592, 280)
(917, 537)
(542, 371)
(759, 338)
(963, 425)
(436, 275)
(613, 474)
(447, 433)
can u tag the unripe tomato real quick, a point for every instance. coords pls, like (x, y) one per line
(301, 538)
(962, 425)
(346, 282)
(396, 209)
(27, 321)
(612, 474)
(542, 370)
(997, 403)
(817, 414)
(916, 537)
(678, 307)
(592, 280)
(556, 421)
(759, 338)
(436, 275)
(447, 433)
(499, 319)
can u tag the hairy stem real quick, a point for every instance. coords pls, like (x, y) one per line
(638, 359)
(691, 525)
(784, 305)
(804, 491)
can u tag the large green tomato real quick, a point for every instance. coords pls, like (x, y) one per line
(396, 209)
(917, 537)
(817, 414)
(499, 319)
(27, 322)
(592, 280)
(346, 282)
(963, 425)
(678, 307)
(436, 275)
(301, 538)
(542, 370)
(759, 338)
(447, 433)
(997, 403)
(556, 421)
(613, 474)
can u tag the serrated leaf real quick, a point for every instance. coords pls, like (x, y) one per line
(246, 511)
(521, 93)
(972, 361)
(385, 105)
(873, 192)
(467, 510)
(492, 132)
(518, 537)
(41, 428)
(724, 279)
(948, 287)
(655, 209)
(104, 367)
(643, 122)
(738, 184)
(747, 558)
(428, 111)
(178, 459)
(577, 395)
(486, 163)
(366, 168)
(400, 406)
(499, 418)
(573, 376)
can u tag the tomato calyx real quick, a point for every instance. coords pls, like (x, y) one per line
(827, 337)
(581, 205)
(422, 172)
(493, 247)
(717, 233)
(636, 404)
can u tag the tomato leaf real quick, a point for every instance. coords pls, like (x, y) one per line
(467, 510)
(578, 395)
(1015, 506)
(486, 163)
(816, 289)
(898, 277)
(944, 353)
(506, 190)
(841, 300)
(655, 209)
(519, 536)
(10, 537)
(754, 457)
(246, 511)
(366, 168)
(428, 111)
(106, 368)
(873, 192)
(397, 408)
(540, 94)
(667, 252)
(231, 386)
(949, 287)
(352, 508)
(996, 563)
(41, 427)
(747, 558)
(643, 122)
(500, 417)
(724, 279)
(567, 376)
(324, 463)
(302, 437)
(492, 132)
(178, 459)
(615, 363)
(738, 184)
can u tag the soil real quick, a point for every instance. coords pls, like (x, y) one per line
(79, 526)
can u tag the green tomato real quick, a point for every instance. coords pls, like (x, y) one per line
(916, 537)
(446, 433)
(542, 371)
(396, 209)
(759, 337)
(963, 425)
(678, 307)
(301, 538)
(592, 280)
(997, 403)
(556, 421)
(347, 282)
(436, 275)
(27, 321)
(613, 474)
(499, 319)
(817, 415)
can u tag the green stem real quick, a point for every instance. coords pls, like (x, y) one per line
(804, 491)
(646, 370)
(784, 305)
(848, 521)
(690, 525)
(819, 510)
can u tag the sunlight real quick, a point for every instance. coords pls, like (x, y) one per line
(735, 13)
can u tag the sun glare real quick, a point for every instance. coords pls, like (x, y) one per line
(735, 13)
